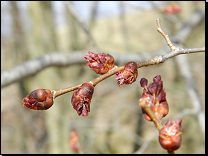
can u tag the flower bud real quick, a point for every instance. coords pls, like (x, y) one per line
(101, 63)
(143, 82)
(157, 79)
(128, 75)
(40, 99)
(152, 88)
(81, 99)
(155, 97)
(172, 9)
(170, 136)
(73, 142)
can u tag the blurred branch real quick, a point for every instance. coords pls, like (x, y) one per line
(33, 66)
(93, 14)
(124, 30)
(195, 100)
(187, 26)
(81, 23)
(147, 143)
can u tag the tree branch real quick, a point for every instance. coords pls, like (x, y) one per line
(155, 60)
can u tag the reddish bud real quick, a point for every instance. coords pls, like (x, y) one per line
(101, 63)
(73, 142)
(40, 99)
(160, 86)
(172, 9)
(152, 88)
(143, 82)
(157, 79)
(161, 96)
(155, 98)
(170, 135)
(81, 99)
(128, 75)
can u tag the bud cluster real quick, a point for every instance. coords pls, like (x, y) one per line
(101, 63)
(155, 97)
(39, 99)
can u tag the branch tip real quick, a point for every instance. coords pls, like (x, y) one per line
(158, 23)
(159, 29)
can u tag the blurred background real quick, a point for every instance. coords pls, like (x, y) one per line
(115, 123)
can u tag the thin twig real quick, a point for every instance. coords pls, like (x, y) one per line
(159, 29)
(57, 93)
(95, 81)
(108, 74)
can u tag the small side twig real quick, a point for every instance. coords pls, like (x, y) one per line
(159, 29)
